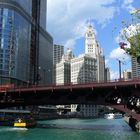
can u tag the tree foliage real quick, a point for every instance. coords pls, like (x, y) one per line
(131, 33)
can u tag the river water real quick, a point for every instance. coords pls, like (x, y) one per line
(73, 129)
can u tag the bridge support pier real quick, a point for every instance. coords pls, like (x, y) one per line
(133, 123)
(138, 127)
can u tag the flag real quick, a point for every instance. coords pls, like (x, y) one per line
(122, 44)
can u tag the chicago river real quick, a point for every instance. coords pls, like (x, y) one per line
(73, 129)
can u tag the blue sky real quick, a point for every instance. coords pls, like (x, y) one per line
(67, 20)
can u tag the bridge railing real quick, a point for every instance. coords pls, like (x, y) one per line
(115, 82)
(4, 88)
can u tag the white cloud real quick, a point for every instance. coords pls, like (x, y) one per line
(119, 54)
(127, 4)
(131, 30)
(67, 18)
(106, 62)
(70, 43)
(114, 75)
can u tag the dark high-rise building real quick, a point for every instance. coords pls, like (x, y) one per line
(135, 68)
(26, 49)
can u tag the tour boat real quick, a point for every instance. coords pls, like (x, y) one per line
(109, 116)
(24, 123)
(113, 116)
(118, 115)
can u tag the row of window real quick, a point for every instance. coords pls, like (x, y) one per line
(2, 72)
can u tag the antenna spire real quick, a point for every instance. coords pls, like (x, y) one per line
(89, 22)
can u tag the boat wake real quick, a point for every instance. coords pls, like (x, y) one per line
(12, 129)
(22, 129)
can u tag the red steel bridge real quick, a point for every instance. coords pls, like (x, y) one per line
(119, 94)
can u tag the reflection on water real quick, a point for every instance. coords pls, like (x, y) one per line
(86, 127)
(73, 129)
(86, 124)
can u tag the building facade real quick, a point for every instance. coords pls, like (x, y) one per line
(93, 49)
(63, 69)
(26, 51)
(63, 72)
(90, 42)
(83, 69)
(101, 68)
(86, 68)
(89, 110)
(94, 66)
(127, 75)
(135, 68)
(107, 74)
(58, 52)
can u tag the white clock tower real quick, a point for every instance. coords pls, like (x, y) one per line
(93, 49)
(90, 42)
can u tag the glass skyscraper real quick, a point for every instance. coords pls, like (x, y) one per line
(26, 49)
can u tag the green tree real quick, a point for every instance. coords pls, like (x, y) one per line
(131, 33)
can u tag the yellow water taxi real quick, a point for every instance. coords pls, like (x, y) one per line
(22, 123)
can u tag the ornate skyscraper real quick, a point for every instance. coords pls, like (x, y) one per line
(93, 49)
(90, 42)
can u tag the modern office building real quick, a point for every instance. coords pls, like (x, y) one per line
(58, 52)
(107, 74)
(89, 110)
(101, 68)
(26, 49)
(135, 68)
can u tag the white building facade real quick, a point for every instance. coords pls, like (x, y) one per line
(63, 72)
(86, 68)
(83, 69)
(58, 52)
(63, 69)
(74, 107)
(89, 67)
(93, 49)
